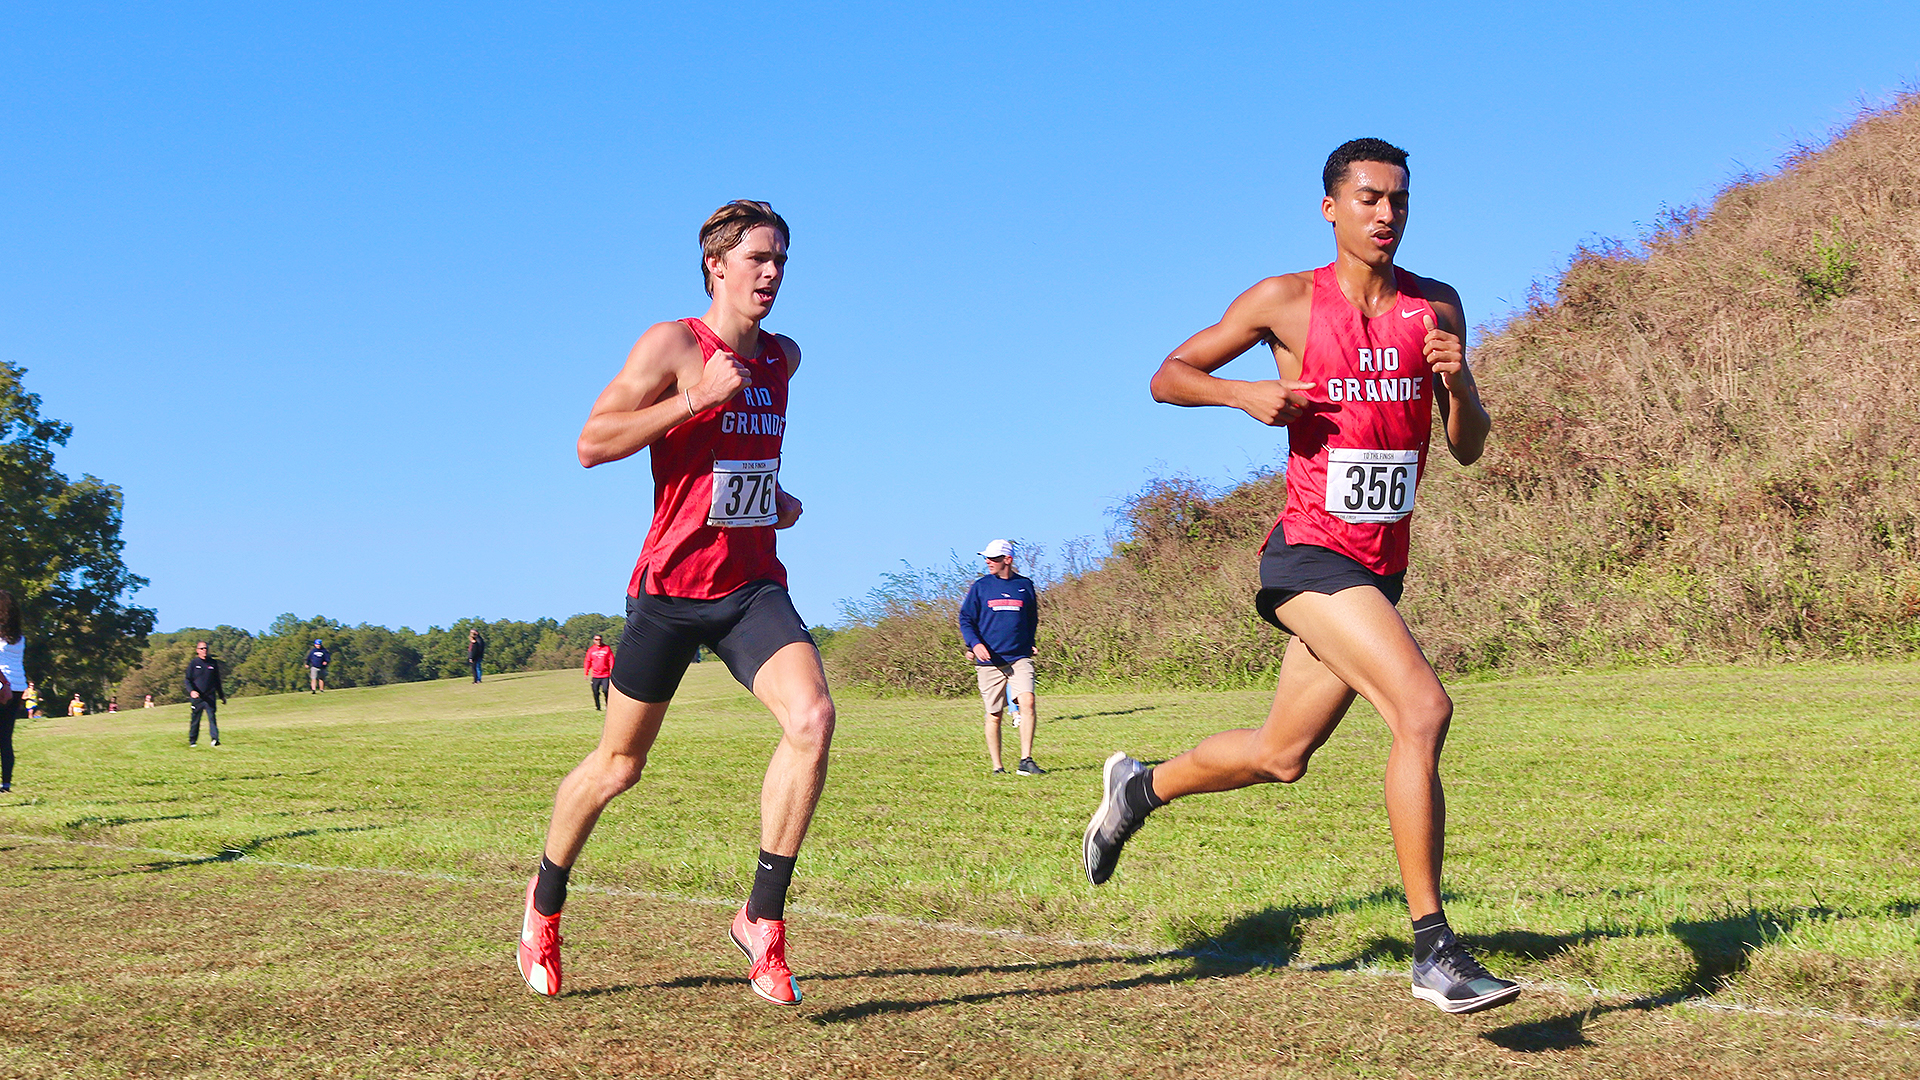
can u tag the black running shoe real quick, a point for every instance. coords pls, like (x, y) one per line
(999, 772)
(1113, 822)
(1454, 982)
(1028, 768)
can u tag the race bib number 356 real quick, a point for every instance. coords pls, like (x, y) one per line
(743, 493)
(1371, 487)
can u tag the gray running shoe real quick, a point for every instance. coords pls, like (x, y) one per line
(1454, 982)
(1113, 822)
(1028, 768)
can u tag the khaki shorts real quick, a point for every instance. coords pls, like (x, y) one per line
(998, 682)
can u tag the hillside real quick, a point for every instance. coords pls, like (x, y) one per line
(1704, 448)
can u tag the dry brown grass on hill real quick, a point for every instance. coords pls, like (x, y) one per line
(1708, 449)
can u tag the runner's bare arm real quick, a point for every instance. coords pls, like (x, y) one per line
(1462, 416)
(646, 400)
(792, 349)
(1268, 313)
(788, 507)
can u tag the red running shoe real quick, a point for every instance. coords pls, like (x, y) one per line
(765, 943)
(540, 943)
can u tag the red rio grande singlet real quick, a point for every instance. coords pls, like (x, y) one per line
(1355, 459)
(714, 478)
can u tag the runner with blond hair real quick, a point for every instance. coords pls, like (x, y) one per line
(708, 398)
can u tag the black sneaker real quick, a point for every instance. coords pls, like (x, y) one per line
(1028, 768)
(1000, 772)
(1113, 822)
(1454, 982)
(216, 742)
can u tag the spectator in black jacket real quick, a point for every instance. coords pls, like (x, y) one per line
(203, 685)
(476, 649)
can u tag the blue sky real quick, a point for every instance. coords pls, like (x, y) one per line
(328, 290)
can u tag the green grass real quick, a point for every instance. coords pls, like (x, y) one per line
(1749, 834)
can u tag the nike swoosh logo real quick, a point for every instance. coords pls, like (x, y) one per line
(764, 866)
(1411, 314)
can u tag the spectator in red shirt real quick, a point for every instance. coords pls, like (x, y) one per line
(599, 669)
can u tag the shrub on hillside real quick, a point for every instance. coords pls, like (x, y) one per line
(1170, 604)
(1706, 449)
(905, 635)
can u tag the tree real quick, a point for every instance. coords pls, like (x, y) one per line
(60, 556)
(162, 671)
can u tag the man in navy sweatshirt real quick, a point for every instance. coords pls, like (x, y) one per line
(318, 658)
(997, 622)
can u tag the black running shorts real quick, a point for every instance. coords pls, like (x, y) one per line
(1287, 570)
(743, 628)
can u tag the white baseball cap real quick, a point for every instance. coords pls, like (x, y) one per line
(997, 548)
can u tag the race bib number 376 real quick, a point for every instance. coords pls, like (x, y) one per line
(1371, 487)
(743, 493)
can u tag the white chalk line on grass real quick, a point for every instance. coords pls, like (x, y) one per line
(606, 890)
(953, 928)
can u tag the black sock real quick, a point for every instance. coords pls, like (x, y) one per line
(1426, 933)
(550, 888)
(1139, 796)
(770, 880)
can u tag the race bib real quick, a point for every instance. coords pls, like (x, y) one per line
(743, 493)
(1371, 487)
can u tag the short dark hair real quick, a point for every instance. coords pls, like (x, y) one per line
(1353, 150)
(728, 225)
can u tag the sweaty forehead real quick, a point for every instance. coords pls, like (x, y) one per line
(1375, 176)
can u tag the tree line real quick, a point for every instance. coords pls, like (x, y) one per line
(60, 556)
(275, 661)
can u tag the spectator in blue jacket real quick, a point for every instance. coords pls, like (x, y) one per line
(997, 623)
(318, 658)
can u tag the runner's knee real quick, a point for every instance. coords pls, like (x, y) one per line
(1425, 720)
(618, 772)
(810, 726)
(1284, 766)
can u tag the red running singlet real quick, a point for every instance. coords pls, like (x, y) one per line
(1354, 460)
(713, 487)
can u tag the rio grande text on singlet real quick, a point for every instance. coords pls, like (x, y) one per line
(714, 478)
(1355, 458)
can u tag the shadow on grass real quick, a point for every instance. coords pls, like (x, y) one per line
(174, 781)
(234, 852)
(1265, 939)
(1721, 950)
(84, 826)
(1109, 712)
(1200, 967)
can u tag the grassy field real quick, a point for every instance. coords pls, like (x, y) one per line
(1699, 869)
